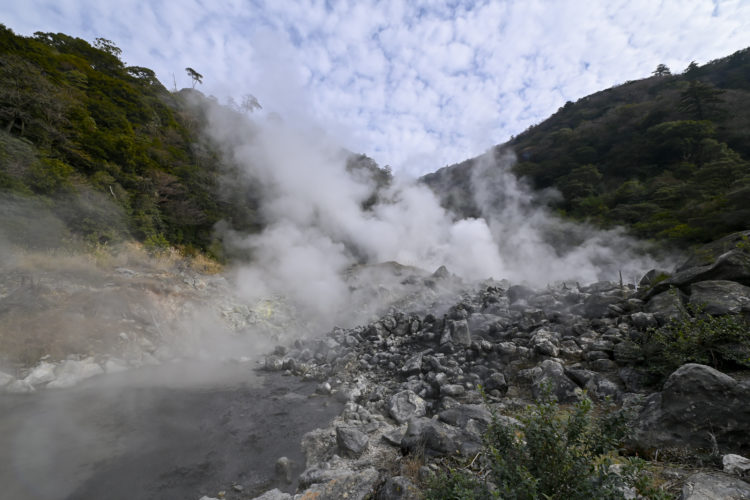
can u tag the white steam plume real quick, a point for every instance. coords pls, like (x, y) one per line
(316, 226)
(539, 247)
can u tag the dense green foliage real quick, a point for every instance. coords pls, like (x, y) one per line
(111, 152)
(666, 156)
(77, 124)
(553, 454)
(696, 337)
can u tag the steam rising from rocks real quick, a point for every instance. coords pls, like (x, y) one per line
(317, 227)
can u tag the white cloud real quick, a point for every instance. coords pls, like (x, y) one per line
(417, 85)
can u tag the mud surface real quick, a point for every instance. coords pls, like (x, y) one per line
(168, 433)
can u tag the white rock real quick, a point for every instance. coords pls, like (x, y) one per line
(713, 486)
(115, 366)
(19, 387)
(274, 494)
(6, 379)
(42, 374)
(71, 372)
(735, 464)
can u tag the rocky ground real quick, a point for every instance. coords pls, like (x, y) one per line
(409, 380)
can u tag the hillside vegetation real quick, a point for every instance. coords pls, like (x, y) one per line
(103, 146)
(94, 150)
(666, 156)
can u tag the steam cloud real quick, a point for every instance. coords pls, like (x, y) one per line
(317, 227)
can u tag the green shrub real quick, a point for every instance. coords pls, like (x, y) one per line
(553, 454)
(697, 337)
(156, 244)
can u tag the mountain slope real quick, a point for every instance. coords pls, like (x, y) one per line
(665, 156)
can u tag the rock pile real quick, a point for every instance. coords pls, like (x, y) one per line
(411, 381)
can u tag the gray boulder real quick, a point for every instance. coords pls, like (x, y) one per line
(399, 488)
(667, 305)
(459, 416)
(452, 390)
(552, 374)
(643, 321)
(413, 365)
(405, 405)
(715, 486)
(496, 382)
(274, 494)
(709, 253)
(599, 306)
(720, 297)
(733, 264)
(348, 484)
(283, 469)
(595, 384)
(736, 464)
(438, 439)
(457, 332)
(351, 442)
(460, 333)
(698, 408)
(653, 277)
(546, 343)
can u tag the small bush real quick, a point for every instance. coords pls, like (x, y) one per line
(553, 454)
(718, 341)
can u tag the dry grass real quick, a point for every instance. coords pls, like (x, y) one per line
(104, 257)
(71, 300)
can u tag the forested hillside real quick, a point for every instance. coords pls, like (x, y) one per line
(666, 156)
(114, 155)
(103, 145)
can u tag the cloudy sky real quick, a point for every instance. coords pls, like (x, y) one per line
(416, 85)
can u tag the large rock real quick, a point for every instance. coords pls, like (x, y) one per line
(736, 464)
(43, 373)
(667, 305)
(413, 365)
(437, 438)
(461, 415)
(19, 387)
(550, 375)
(726, 259)
(698, 408)
(399, 488)
(709, 253)
(350, 485)
(71, 372)
(714, 486)
(405, 405)
(456, 332)
(274, 494)
(546, 343)
(460, 333)
(351, 441)
(5, 379)
(598, 306)
(720, 297)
